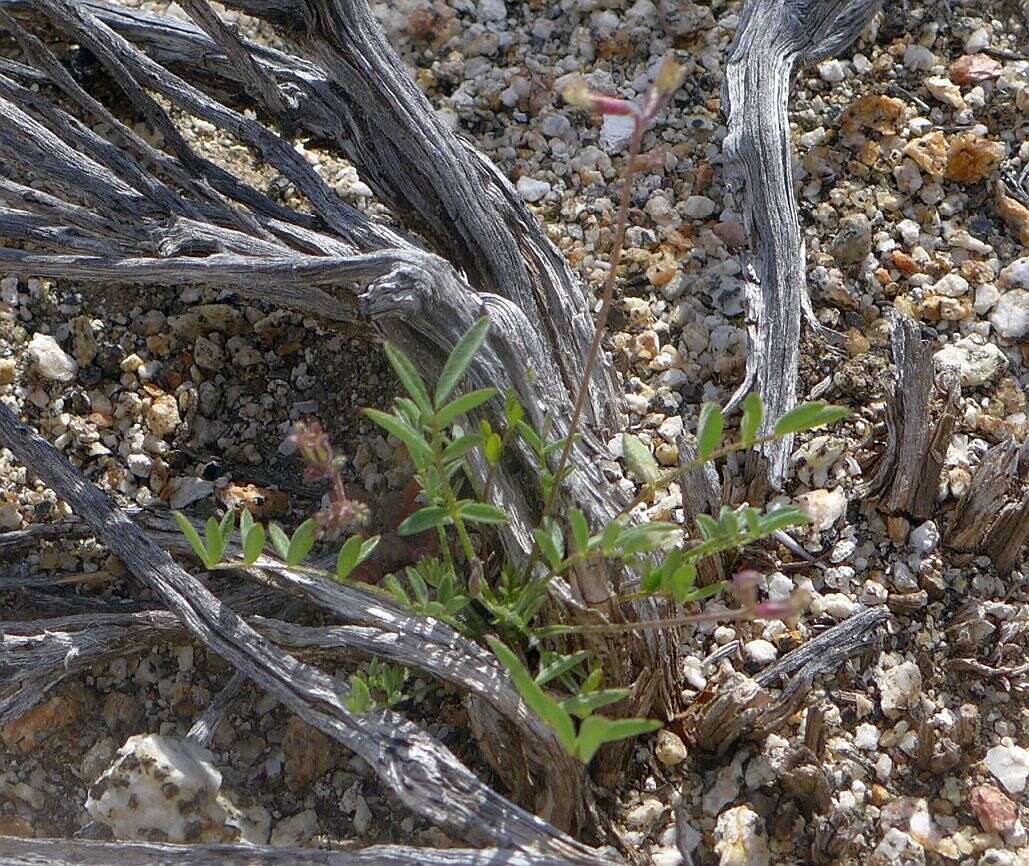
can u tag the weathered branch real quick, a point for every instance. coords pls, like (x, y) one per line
(423, 774)
(907, 478)
(993, 515)
(73, 852)
(774, 37)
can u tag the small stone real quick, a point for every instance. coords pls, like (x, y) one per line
(853, 241)
(946, 91)
(971, 159)
(699, 207)
(208, 354)
(26, 733)
(761, 652)
(899, 687)
(50, 360)
(971, 69)
(866, 737)
(925, 538)
(1009, 765)
(532, 190)
(163, 416)
(741, 841)
(295, 830)
(84, 344)
(1010, 316)
(951, 286)
(824, 507)
(995, 811)
(189, 490)
(977, 361)
(616, 132)
(8, 371)
(669, 748)
(897, 848)
(1014, 213)
(986, 297)
(309, 755)
(645, 814)
(918, 58)
(832, 71)
(1015, 275)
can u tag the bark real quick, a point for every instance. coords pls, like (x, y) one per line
(774, 38)
(425, 775)
(907, 477)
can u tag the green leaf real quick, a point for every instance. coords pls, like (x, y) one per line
(610, 535)
(464, 403)
(513, 411)
(246, 520)
(460, 359)
(709, 430)
(192, 536)
(461, 446)
(302, 541)
(253, 543)
(213, 537)
(349, 554)
(703, 592)
(359, 700)
(481, 512)
(551, 542)
(530, 436)
(280, 541)
(539, 701)
(561, 666)
(226, 528)
(396, 588)
(582, 705)
(783, 518)
(808, 416)
(368, 547)
(593, 681)
(707, 525)
(651, 581)
(645, 537)
(416, 445)
(493, 448)
(409, 377)
(753, 415)
(681, 581)
(580, 530)
(639, 460)
(597, 730)
(424, 519)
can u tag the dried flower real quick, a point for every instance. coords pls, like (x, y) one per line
(581, 95)
(323, 463)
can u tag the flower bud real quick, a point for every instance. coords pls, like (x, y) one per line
(669, 77)
(581, 95)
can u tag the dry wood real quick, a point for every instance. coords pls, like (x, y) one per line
(701, 494)
(773, 39)
(73, 852)
(424, 774)
(907, 477)
(993, 515)
(743, 707)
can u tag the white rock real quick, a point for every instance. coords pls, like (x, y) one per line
(162, 785)
(699, 206)
(1009, 765)
(1010, 316)
(951, 286)
(645, 814)
(741, 840)
(986, 296)
(139, 464)
(838, 605)
(616, 132)
(824, 507)
(666, 857)
(761, 652)
(726, 787)
(909, 231)
(491, 10)
(919, 58)
(295, 830)
(832, 71)
(899, 687)
(532, 190)
(977, 361)
(977, 41)
(1016, 275)
(669, 748)
(925, 538)
(897, 848)
(50, 360)
(189, 490)
(1000, 857)
(866, 737)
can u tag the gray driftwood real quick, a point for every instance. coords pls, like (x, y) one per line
(993, 515)
(424, 774)
(774, 38)
(68, 852)
(907, 477)
(744, 707)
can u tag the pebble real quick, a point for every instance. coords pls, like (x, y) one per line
(866, 737)
(897, 848)
(699, 207)
(951, 286)
(1009, 765)
(977, 361)
(616, 132)
(918, 58)
(761, 652)
(532, 190)
(50, 360)
(669, 748)
(189, 490)
(853, 242)
(824, 507)
(741, 840)
(645, 814)
(899, 688)
(163, 416)
(1010, 316)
